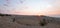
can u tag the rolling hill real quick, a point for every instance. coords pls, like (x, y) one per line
(26, 21)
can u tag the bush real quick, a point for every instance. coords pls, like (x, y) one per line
(4, 15)
(1, 15)
(43, 23)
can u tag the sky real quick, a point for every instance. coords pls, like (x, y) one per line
(30, 7)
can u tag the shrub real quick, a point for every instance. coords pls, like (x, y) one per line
(43, 22)
(1, 15)
(4, 15)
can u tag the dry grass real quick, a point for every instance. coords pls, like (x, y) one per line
(7, 22)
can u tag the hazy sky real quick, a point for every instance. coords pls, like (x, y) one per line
(30, 7)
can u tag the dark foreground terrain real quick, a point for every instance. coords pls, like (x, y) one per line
(25, 21)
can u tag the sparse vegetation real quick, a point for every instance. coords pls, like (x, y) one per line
(5, 15)
(13, 19)
(28, 22)
(43, 23)
(1, 15)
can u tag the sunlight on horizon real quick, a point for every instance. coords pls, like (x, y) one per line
(30, 7)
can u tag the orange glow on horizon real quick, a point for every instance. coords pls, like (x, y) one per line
(38, 13)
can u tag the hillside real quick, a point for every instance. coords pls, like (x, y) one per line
(26, 21)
